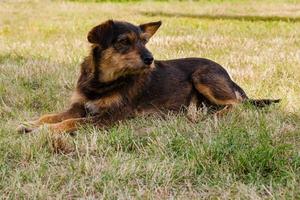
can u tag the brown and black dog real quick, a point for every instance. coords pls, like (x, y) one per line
(120, 79)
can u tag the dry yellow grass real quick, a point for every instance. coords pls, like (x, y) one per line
(248, 154)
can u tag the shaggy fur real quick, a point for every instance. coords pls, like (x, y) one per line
(119, 80)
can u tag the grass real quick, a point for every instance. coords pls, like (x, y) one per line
(248, 154)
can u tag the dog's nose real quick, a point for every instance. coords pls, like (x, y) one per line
(148, 60)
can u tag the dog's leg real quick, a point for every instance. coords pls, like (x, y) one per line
(192, 109)
(100, 121)
(218, 88)
(68, 126)
(76, 111)
(224, 111)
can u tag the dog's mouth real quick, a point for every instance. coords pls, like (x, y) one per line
(139, 67)
(148, 67)
(145, 67)
(138, 70)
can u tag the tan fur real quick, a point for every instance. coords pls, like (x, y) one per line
(131, 36)
(49, 119)
(238, 96)
(224, 111)
(77, 97)
(192, 109)
(105, 102)
(206, 91)
(114, 64)
(68, 125)
(145, 37)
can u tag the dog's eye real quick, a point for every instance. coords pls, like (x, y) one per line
(124, 41)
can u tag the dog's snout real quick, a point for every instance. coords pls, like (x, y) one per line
(146, 56)
(148, 60)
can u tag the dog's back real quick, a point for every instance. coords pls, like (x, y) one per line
(170, 85)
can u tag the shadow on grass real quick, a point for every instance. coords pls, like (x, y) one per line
(225, 17)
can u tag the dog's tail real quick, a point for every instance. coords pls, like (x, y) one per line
(260, 103)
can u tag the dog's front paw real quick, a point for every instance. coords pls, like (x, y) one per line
(26, 128)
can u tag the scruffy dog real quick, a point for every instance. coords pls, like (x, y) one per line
(120, 79)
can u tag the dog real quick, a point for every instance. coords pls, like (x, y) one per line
(120, 79)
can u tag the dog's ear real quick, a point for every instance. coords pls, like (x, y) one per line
(101, 34)
(150, 28)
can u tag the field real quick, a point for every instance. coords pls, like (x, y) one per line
(247, 154)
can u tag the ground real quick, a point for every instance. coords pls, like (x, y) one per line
(247, 154)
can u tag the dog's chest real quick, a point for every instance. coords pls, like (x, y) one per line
(104, 103)
(91, 107)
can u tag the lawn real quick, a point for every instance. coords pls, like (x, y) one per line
(247, 154)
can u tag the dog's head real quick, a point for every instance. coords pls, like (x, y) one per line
(122, 48)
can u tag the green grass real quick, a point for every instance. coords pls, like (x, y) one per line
(248, 154)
